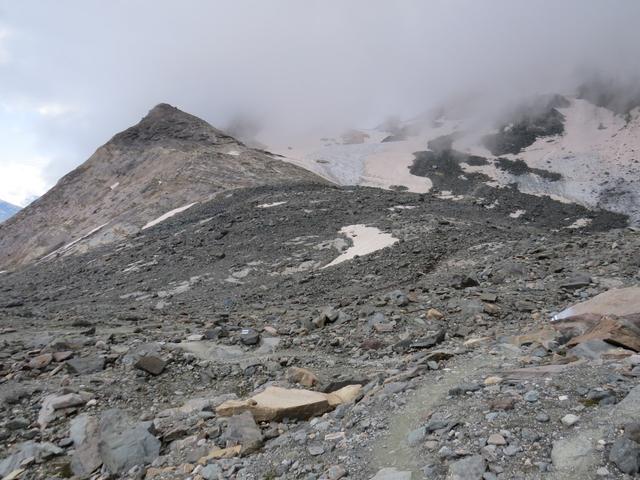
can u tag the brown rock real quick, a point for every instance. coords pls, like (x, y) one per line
(62, 356)
(502, 403)
(41, 361)
(277, 403)
(623, 332)
(620, 302)
(302, 376)
(433, 314)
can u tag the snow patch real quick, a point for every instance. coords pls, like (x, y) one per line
(365, 240)
(71, 244)
(235, 153)
(114, 186)
(517, 213)
(167, 215)
(402, 207)
(270, 205)
(580, 223)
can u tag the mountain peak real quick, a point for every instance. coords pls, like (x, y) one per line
(168, 124)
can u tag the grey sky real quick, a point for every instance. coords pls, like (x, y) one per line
(74, 72)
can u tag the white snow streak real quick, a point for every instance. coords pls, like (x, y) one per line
(167, 215)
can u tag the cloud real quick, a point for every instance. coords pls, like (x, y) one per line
(21, 180)
(287, 65)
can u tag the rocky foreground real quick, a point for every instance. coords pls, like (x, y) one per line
(216, 346)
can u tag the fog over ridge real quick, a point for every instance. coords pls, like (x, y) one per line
(73, 73)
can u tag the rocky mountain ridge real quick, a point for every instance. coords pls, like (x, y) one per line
(168, 161)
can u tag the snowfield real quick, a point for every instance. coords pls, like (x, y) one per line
(365, 240)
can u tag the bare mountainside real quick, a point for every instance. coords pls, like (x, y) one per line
(164, 164)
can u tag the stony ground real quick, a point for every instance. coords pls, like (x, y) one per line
(112, 363)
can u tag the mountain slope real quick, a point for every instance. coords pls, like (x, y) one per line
(167, 162)
(7, 210)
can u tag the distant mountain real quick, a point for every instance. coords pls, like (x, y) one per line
(165, 164)
(7, 210)
(582, 149)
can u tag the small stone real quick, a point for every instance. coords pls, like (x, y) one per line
(302, 376)
(315, 450)
(569, 419)
(602, 472)
(41, 361)
(510, 450)
(335, 472)
(531, 396)
(248, 336)
(492, 380)
(542, 417)
(62, 356)
(433, 314)
(496, 439)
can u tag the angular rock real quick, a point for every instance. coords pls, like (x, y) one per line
(469, 468)
(248, 336)
(39, 452)
(41, 361)
(151, 364)
(302, 376)
(618, 301)
(84, 432)
(51, 403)
(242, 430)
(85, 365)
(430, 341)
(623, 332)
(576, 281)
(625, 454)
(113, 441)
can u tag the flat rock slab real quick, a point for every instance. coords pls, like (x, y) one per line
(618, 301)
(277, 403)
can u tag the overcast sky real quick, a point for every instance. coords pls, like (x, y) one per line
(75, 72)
